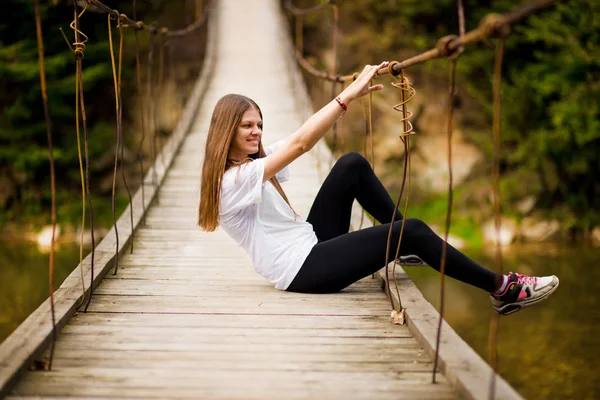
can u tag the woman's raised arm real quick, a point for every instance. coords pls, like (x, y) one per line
(317, 125)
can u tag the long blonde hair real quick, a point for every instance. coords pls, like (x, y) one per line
(226, 118)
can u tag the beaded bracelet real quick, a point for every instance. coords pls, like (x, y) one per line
(342, 104)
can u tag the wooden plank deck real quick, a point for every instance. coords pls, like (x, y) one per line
(187, 317)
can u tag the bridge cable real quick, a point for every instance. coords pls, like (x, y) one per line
(140, 101)
(40, 43)
(442, 46)
(481, 33)
(161, 64)
(496, 128)
(489, 26)
(119, 117)
(149, 105)
(117, 85)
(120, 120)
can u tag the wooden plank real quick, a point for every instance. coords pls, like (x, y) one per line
(249, 322)
(244, 352)
(303, 390)
(403, 356)
(268, 332)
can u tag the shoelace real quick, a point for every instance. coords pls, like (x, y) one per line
(526, 280)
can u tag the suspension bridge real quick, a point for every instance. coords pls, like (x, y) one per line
(186, 316)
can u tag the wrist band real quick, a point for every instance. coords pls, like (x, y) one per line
(342, 104)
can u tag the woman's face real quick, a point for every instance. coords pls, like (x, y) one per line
(247, 136)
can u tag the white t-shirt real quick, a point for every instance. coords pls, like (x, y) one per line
(255, 215)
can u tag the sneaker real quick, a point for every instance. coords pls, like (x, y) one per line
(411, 260)
(523, 291)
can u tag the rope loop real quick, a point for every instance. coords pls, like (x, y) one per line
(123, 20)
(139, 25)
(443, 46)
(354, 76)
(114, 15)
(78, 52)
(494, 25)
(391, 68)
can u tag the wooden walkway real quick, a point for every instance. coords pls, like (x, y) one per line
(187, 317)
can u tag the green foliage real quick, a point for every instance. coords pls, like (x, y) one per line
(24, 159)
(550, 88)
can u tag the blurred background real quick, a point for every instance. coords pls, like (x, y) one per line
(550, 161)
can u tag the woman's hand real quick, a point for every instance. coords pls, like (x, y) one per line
(316, 126)
(360, 86)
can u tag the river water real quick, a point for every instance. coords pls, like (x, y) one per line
(548, 351)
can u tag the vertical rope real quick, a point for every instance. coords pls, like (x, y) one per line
(335, 147)
(370, 106)
(78, 52)
(116, 164)
(140, 100)
(199, 9)
(448, 214)
(341, 127)
(122, 20)
(334, 40)
(161, 65)
(150, 105)
(299, 35)
(367, 111)
(81, 175)
(406, 177)
(407, 92)
(40, 43)
(172, 106)
(494, 323)
(451, 90)
(461, 23)
(87, 178)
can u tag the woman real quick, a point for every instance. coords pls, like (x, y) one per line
(241, 192)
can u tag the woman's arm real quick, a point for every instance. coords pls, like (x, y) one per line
(317, 125)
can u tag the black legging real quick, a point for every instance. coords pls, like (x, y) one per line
(341, 258)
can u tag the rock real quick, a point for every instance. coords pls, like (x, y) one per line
(508, 229)
(596, 234)
(526, 205)
(430, 161)
(535, 230)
